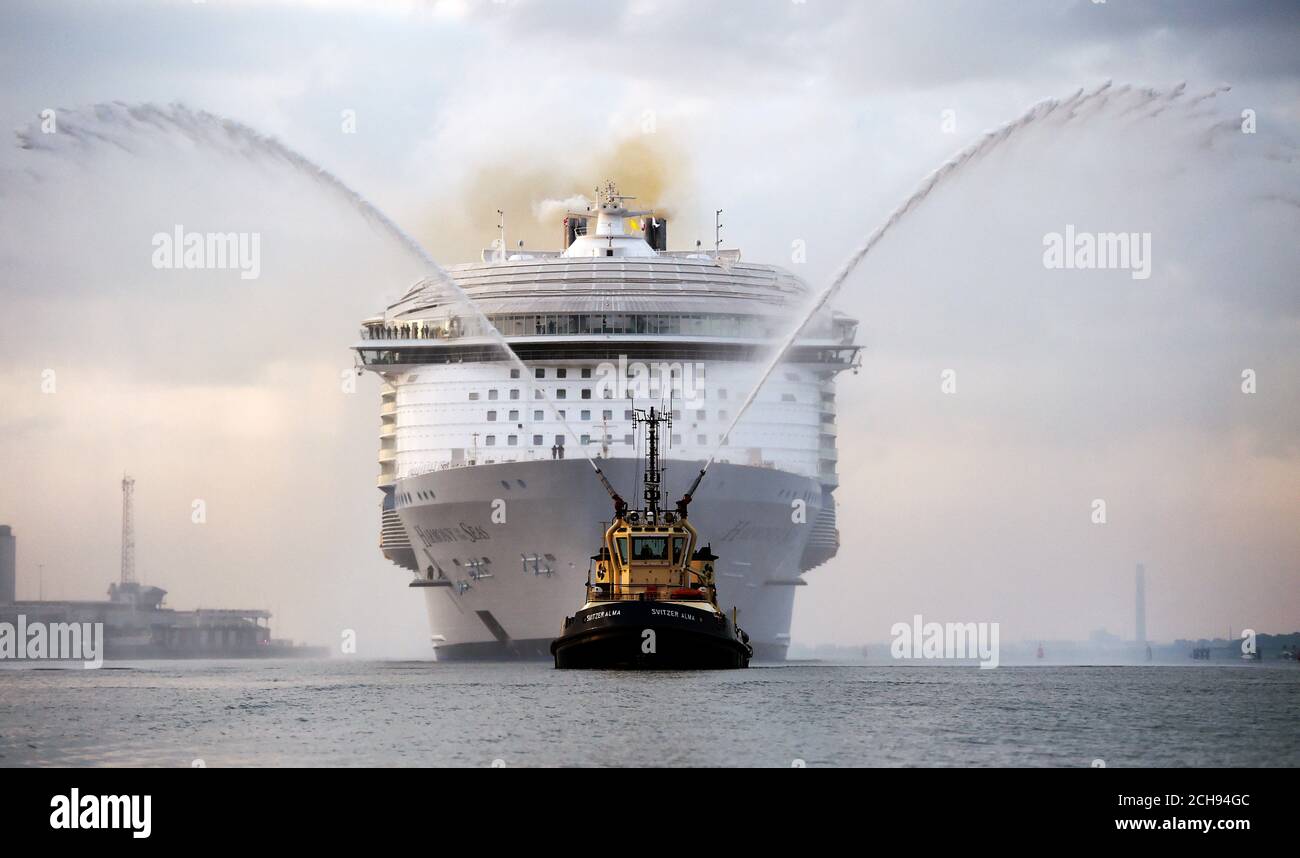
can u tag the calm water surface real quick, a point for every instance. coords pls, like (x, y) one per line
(278, 713)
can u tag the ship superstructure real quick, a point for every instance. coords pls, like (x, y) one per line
(477, 466)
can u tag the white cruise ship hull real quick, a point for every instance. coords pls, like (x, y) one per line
(503, 549)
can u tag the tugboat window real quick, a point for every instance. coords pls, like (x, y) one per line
(649, 548)
(679, 547)
(622, 549)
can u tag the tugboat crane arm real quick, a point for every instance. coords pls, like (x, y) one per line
(620, 505)
(686, 498)
(699, 478)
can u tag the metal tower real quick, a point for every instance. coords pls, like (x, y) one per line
(128, 530)
(1141, 604)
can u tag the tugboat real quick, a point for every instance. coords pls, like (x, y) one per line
(652, 596)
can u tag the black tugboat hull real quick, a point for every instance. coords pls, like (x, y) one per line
(648, 635)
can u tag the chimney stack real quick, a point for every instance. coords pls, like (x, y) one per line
(8, 566)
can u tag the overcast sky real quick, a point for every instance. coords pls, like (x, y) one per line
(805, 121)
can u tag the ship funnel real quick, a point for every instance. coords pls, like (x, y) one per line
(574, 226)
(655, 232)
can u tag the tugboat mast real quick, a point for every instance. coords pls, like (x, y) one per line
(653, 469)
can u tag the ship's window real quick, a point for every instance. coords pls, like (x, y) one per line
(606, 393)
(622, 549)
(514, 394)
(627, 415)
(540, 372)
(649, 548)
(473, 395)
(586, 372)
(561, 373)
(559, 440)
(514, 416)
(537, 440)
(491, 416)
(586, 393)
(677, 414)
(607, 415)
(586, 415)
(537, 394)
(722, 415)
(514, 373)
(512, 440)
(701, 414)
(679, 548)
(722, 393)
(492, 395)
(561, 393)
(627, 439)
(522, 484)
(701, 439)
(677, 439)
(787, 397)
(491, 441)
(561, 413)
(505, 485)
(537, 415)
(792, 376)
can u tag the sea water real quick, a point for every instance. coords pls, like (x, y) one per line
(341, 712)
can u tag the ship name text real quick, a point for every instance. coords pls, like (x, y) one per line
(431, 536)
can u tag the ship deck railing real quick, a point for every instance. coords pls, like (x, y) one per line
(644, 592)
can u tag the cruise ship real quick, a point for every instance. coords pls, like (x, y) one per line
(485, 459)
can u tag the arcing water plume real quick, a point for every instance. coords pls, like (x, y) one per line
(117, 123)
(121, 126)
(1139, 103)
